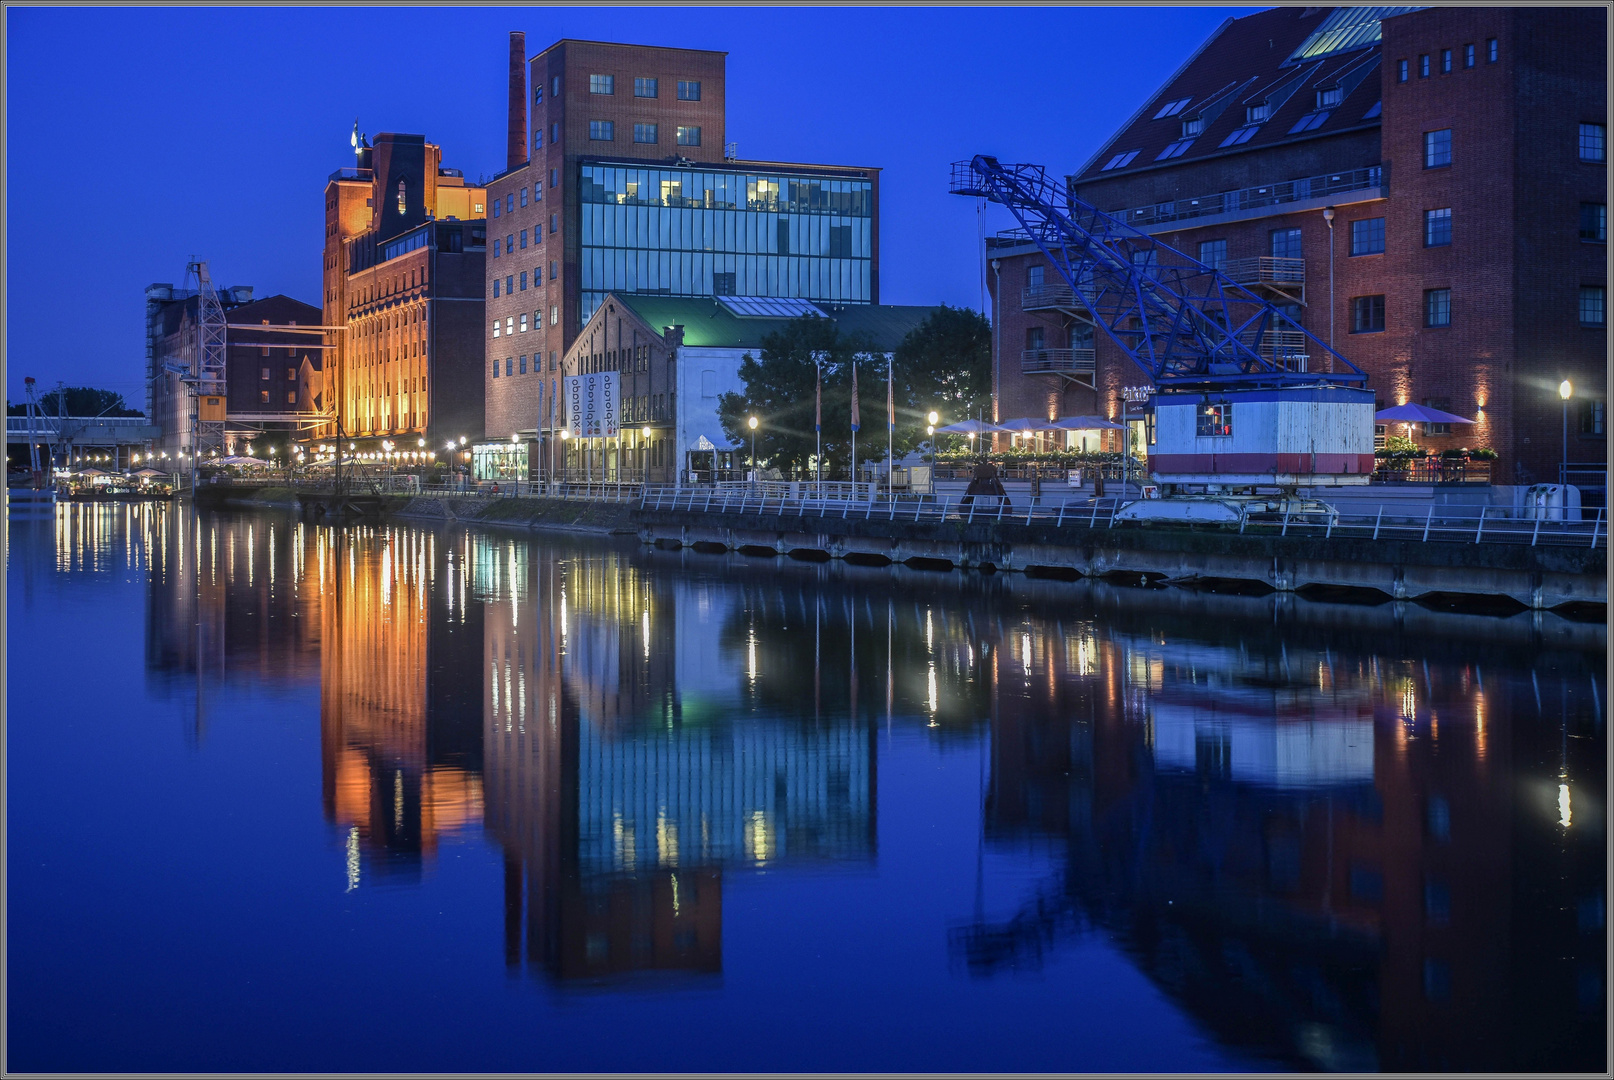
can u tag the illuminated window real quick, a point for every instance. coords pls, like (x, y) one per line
(1437, 227)
(1437, 148)
(1445, 61)
(291, 397)
(554, 316)
(263, 396)
(1401, 71)
(689, 136)
(265, 373)
(496, 325)
(1490, 51)
(1423, 66)
(523, 322)
(1468, 56)
(1593, 143)
(402, 200)
(291, 374)
(1214, 420)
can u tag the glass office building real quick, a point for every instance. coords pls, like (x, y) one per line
(704, 231)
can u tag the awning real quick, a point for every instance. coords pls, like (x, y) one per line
(703, 442)
(969, 427)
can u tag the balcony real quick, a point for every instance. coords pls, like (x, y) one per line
(1054, 297)
(1071, 362)
(1284, 347)
(1266, 270)
(1245, 200)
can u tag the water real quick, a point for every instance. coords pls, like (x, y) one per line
(283, 797)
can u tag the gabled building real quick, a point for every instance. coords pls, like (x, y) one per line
(1423, 188)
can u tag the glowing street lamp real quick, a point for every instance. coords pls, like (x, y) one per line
(752, 424)
(1565, 391)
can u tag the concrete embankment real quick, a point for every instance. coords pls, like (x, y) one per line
(1536, 577)
(559, 515)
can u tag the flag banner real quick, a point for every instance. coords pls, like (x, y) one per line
(818, 401)
(890, 401)
(854, 397)
(592, 404)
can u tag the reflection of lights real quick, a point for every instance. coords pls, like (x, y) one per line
(644, 624)
(666, 839)
(751, 656)
(935, 697)
(397, 801)
(1563, 805)
(1409, 702)
(622, 842)
(1025, 652)
(759, 840)
(353, 858)
(1479, 724)
(930, 633)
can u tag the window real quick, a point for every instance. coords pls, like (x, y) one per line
(645, 87)
(537, 93)
(1215, 421)
(1176, 149)
(291, 374)
(537, 138)
(509, 204)
(1034, 339)
(523, 323)
(644, 133)
(1592, 417)
(1309, 122)
(1423, 66)
(1193, 126)
(723, 283)
(1468, 56)
(602, 84)
(1257, 114)
(1374, 111)
(495, 243)
(478, 208)
(523, 239)
(1401, 71)
(1437, 148)
(554, 316)
(537, 192)
(554, 137)
(1367, 236)
(1285, 243)
(509, 366)
(1213, 253)
(496, 203)
(1437, 227)
(291, 397)
(403, 202)
(495, 288)
(554, 89)
(1490, 51)
(1445, 61)
(523, 281)
(1593, 144)
(1444, 405)
(521, 364)
(1171, 108)
(1593, 305)
(509, 325)
(1367, 314)
(495, 369)
(551, 270)
(1034, 276)
(263, 397)
(509, 245)
(496, 325)
(265, 373)
(689, 90)
(1594, 222)
(509, 284)
(1437, 307)
(601, 130)
(554, 225)
(537, 235)
(1120, 161)
(1331, 97)
(1240, 135)
(689, 136)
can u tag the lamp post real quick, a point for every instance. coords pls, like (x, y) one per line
(1565, 391)
(752, 424)
(1328, 216)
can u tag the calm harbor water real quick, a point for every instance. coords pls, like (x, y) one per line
(286, 797)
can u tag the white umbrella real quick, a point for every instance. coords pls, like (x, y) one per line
(969, 427)
(1025, 425)
(1087, 423)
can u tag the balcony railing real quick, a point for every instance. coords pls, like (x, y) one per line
(1056, 361)
(1266, 270)
(1227, 202)
(1045, 297)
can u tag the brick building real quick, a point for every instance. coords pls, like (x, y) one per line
(620, 180)
(171, 329)
(1425, 188)
(404, 246)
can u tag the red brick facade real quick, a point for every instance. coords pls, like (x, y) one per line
(1515, 263)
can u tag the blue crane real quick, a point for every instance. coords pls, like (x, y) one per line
(1187, 325)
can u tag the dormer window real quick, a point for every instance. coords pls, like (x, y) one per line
(1193, 126)
(1327, 99)
(1172, 108)
(1255, 114)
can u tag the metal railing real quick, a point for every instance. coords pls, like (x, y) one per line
(1431, 471)
(1250, 198)
(1452, 524)
(1265, 270)
(1044, 297)
(1044, 361)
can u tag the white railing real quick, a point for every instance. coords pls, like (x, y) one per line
(1472, 525)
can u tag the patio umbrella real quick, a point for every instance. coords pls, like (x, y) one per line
(1025, 425)
(1086, 423)
(969, 427)
(91, 472)
(151, 472)
(238, 460)
(1417, 414)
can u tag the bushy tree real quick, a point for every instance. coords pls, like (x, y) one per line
(947, 361)
(79, 401)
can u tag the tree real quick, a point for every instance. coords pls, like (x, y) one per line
(779, 392)
(947, 360)
(79, 401)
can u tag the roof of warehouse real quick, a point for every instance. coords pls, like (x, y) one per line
(708, 324)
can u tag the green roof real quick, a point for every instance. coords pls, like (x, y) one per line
(707, 324)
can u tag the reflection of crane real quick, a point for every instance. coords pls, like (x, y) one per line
(1235, 385)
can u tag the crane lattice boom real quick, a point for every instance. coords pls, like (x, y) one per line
(1187, 325)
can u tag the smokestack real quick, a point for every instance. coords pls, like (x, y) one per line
(518, 98)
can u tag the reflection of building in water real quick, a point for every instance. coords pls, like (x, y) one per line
(1358, 881)
(400, 733)
(621, 795)
(226, 598)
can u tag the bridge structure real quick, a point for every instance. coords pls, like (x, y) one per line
(70, 438)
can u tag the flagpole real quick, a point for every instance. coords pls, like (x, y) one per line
(890, 430)
(818, 423)
(854, 426)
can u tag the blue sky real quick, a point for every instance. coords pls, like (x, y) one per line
(138, 138)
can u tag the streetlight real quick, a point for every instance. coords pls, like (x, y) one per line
(931, 418)
(752, 424)
(1565, 391)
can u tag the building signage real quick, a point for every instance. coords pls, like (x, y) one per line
(1137, 395)
(591, 405)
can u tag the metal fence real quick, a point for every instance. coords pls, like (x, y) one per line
(1451, 524)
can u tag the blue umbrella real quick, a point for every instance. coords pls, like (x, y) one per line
(1418, 414)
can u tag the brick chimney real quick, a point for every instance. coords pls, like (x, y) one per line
(673, 335)
(518, 99)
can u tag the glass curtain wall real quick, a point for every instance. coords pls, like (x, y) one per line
(699, 232)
